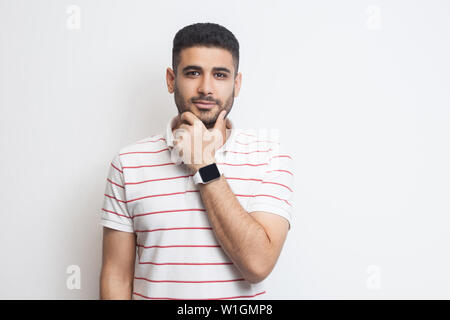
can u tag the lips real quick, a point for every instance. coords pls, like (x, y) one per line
(204, 104)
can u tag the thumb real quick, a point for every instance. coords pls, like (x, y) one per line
(220, 120)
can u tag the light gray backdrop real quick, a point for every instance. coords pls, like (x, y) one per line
(360, 90)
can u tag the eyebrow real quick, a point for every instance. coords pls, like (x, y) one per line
(192, 67)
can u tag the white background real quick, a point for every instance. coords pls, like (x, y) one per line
(360, 90)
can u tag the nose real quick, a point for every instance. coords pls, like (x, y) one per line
(206, 86)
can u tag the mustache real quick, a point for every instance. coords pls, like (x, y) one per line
(210, 99)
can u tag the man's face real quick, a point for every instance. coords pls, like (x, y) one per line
(204, 75)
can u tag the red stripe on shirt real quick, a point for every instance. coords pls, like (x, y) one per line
(250, 151)
(166, 211)
(172, 163)
(162, 195)
(158, 151)
(281, 171)
(268, 195)
(169, 194)
(167, 229)
(152, 141)
(247, 134)
(114, 183)
(170, 178)
(150, 165)
(236, 297)
(114, 198)
(179, 177)
(116, 168)
(186, 263)
(179, 246)
(156, 212)
(233, 178)
(262, 195)
(243, 164)
(277, 184)
(259, 180)
(116, 213)
(175, 193)
(181, 281)
(281, 156)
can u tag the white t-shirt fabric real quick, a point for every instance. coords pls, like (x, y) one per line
(149, 192)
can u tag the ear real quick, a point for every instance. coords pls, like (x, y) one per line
(170, 79)
(237, 84)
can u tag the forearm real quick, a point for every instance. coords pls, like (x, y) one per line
(115, 288)
(242, 238)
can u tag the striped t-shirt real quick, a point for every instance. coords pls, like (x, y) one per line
(150, 193)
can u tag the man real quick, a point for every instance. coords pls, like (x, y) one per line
(204, 206)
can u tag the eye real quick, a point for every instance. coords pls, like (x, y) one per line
(191, 73)
(222, 75)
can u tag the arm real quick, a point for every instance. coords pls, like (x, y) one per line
(243, 236)
(253, 241)
(117, 274)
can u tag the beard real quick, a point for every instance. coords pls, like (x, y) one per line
(208, 117)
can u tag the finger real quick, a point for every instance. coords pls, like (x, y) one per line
(189, 118)
(220, 120)
(181, 131)
(184, 126)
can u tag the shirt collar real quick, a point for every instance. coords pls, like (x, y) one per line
(229, 143)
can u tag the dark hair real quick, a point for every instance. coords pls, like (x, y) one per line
(208, 35)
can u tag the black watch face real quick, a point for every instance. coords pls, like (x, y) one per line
(209, 172)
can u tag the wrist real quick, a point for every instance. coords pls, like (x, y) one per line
(198, 166)
(206, 174)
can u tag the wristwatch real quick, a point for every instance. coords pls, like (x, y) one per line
(207, 174)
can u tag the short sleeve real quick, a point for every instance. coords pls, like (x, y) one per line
(114, 212)
(274, 193)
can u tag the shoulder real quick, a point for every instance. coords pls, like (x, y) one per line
(261, 139)
(149, 144)
(146, 143)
